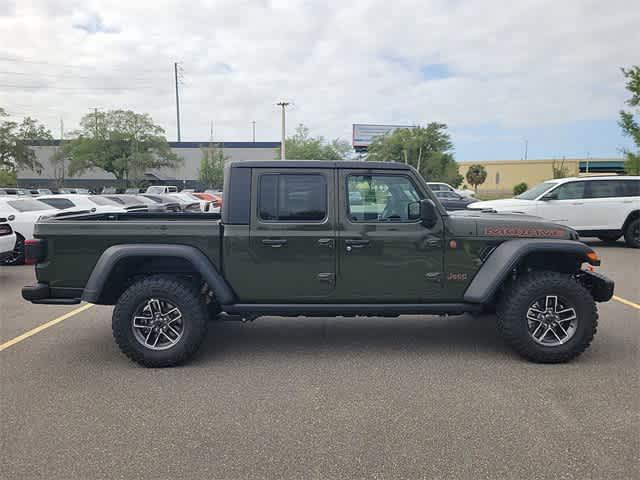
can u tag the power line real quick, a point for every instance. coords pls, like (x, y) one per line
(85, 89)
(73, 76)
(63, 65)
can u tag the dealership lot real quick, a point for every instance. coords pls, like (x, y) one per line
(410, 397)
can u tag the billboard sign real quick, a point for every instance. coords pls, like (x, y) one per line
(363, 134)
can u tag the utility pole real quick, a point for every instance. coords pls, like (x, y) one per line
(175, 74)
(60, 147)
(588, 158)
(95, 119)
(254, 131)
(526, 148)
(211, 132)
(284, 106)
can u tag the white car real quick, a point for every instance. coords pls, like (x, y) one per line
(90, 203)
(7, 240)
(162, 189)
(445, 187)
(606, 207)
(186, 197)
(22, 214)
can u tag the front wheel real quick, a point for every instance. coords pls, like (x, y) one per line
(17, 255)
(159, 321)
(547, 317)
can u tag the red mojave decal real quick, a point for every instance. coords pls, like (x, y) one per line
(524, 232)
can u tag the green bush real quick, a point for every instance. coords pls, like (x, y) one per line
(520, 188)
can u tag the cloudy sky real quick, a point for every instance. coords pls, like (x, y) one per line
(496, 72)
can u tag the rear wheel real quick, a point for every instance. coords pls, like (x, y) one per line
(17, 256)
(159, 321)
(547, 317)
(632, 233)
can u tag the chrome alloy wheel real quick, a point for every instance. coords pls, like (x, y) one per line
(157, 324)
(551, 321)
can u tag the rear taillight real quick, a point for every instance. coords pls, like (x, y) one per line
(5, 230)
(35, 251)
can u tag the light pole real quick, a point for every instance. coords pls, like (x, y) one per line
(284, 105)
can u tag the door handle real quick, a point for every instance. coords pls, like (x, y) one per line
(356, 243)
(325, 242)
(329, 278)
(627, 201)
(433, 242)
(274, 242)
(577, 203)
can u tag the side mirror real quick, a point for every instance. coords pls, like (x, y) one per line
(428, 213)
(548, 196)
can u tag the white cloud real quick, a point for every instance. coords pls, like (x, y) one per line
(532, 62)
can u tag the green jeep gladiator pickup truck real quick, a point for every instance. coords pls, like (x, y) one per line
(310, 238)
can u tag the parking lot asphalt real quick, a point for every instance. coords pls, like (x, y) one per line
(408, 397)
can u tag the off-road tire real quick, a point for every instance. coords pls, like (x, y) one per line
(17, 257)
(631, 233)
(178, 292)
(517, 299)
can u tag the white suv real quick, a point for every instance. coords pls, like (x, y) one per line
(603, 207)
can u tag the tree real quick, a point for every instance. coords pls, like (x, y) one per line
(559, 170)
(476, 175)
(520, 188)
(302, 146)
(212, 163)
(8, 177)
(15, 152)
(629, 123)
(429, 149)
(120, 142)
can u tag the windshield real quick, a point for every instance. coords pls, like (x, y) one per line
(536, 191)
(103, 201)
(28, 205)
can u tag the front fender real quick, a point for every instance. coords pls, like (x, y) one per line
(507, 256)
(112, 255)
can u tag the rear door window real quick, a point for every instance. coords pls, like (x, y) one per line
(570, 191)
(292, 197)
(606, 189)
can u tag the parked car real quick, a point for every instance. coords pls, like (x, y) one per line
(134, 191)
(445, 187)
(7, 240)
(131, 203)
(170, 202)
(289, 244)
(14, 191)
(80, 191)
(92, 203)
(216, 200)
(187, 197)
(22, 213)
(162, 189)
(606, 207)
(44, 191)
(453, 201)
(154, 206)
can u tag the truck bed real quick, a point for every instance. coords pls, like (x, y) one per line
(75, 243)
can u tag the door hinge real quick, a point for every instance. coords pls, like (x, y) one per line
(330, 278)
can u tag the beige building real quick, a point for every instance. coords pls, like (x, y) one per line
(503, 175)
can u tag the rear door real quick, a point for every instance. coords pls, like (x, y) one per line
(384, 255)
(608, 202)
(292, 236)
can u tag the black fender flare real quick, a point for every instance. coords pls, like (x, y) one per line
(114, 254)
(507, 255)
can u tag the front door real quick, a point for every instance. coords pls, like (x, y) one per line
(385, 254)
(292, 236)
(566, 205)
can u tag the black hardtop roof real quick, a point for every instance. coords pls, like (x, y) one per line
(318, 164)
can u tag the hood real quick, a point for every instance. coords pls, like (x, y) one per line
(506, 225)
(503, 204)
